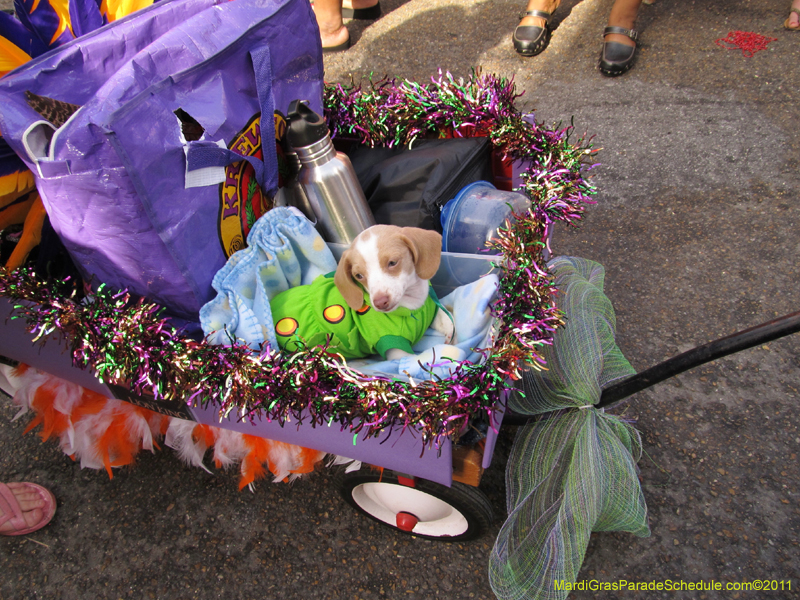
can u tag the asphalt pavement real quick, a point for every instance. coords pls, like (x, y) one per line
(697, 223)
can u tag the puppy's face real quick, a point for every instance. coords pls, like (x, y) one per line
(392, 264)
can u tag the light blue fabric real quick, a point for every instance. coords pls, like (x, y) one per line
(470, 306)
(284, 250)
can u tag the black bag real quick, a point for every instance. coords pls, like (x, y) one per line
(408, 186)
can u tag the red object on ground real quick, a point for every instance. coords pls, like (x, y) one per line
(747, 41)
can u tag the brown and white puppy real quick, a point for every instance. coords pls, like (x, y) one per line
(393, 265)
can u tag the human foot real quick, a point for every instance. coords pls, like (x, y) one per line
(793, 22)
(361, 9)
(358, 3)
(548, 6)
(331, 43)
(532, 35)
(332, 32)
(24, 507)
(619, 38)
(623, 14)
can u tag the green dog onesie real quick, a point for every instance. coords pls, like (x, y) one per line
(307, 315)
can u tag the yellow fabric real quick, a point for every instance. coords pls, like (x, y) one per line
(16, 213)
(31, 235)
(14, 185)
(116, 9)
(11, 56)
(61, 8)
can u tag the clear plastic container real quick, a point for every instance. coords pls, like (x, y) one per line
(471, 218)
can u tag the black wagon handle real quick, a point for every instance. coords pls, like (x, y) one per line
(742, 340)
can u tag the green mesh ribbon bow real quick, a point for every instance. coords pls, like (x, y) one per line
(573, 471)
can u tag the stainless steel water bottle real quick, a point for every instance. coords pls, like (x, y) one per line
(327, 178)
(293, 194)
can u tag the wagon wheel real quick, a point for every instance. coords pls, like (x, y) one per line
(417, 506)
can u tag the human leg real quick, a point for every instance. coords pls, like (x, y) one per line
(619, 38)
(793, 22)
(332, 31)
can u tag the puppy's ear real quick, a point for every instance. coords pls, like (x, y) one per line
(349, 289)
(426, 249)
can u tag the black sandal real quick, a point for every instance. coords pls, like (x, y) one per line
(530, 40)
(340, 48)
(363, 14)
(616, 58)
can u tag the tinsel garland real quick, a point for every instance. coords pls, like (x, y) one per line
(127, 341)
(395, 113)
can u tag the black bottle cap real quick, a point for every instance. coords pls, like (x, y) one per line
(305, 126)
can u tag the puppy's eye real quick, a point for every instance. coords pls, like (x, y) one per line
(392, 263)
(358, 276)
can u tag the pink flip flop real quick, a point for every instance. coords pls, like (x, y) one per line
(13, 512)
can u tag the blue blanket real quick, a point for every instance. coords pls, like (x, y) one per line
(284, 250)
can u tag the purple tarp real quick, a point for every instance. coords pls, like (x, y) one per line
(113, 177)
